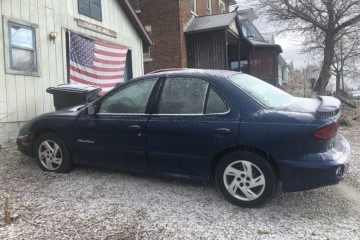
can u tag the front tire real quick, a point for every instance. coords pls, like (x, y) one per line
(51, 153)
(246, 179)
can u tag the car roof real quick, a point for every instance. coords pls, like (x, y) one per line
(192, 72)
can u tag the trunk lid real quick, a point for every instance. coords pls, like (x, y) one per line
(321, 107)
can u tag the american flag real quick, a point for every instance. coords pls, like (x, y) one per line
(96, 63)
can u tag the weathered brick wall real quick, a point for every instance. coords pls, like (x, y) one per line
(168, 19)
(163, 16)
(201, 7)
(185, 18)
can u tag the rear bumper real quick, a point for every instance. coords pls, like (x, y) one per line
(316, 170)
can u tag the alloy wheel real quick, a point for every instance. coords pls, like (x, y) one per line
(244, 180)
(50, 155)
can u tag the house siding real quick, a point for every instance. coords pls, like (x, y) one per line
(263, 63)
(24, 97)
(207, 50)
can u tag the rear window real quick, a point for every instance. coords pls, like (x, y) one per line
(266, 94)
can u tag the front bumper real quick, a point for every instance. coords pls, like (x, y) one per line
(24, 145)
(316, 170)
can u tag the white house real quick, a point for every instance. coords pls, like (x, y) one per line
(35, 43)
(283, 69)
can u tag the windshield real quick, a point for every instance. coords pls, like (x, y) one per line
(266, 94)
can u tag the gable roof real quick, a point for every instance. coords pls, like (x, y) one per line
(135, 21)
(250, 32)
(211, 22)
(257, 43)
(268, 37)
(232, 2)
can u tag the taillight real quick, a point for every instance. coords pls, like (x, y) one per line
(327, 131)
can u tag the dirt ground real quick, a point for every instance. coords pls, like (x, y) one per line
(93, 203)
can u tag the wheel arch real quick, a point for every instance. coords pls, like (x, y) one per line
(40, 132)
(243, 148)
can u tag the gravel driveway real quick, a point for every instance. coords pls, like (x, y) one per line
(90, 203)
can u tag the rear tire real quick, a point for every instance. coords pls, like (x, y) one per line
(246, 179)
(51, 153)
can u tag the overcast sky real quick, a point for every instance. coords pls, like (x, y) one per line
(291, 45)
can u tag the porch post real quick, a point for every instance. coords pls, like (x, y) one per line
(226, 51)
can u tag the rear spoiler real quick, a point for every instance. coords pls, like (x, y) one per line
(329, 107)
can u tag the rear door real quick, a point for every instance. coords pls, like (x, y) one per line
(191, 122)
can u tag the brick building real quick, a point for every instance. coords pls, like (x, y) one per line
(166, 21)
(204, 34)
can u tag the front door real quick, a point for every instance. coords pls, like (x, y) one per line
(115, 135)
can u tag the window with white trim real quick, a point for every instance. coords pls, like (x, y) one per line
(21, 47)
(136, 6)
(193, 6)
(90, 8)
(208, 7)
(147, 53)
(222, 7)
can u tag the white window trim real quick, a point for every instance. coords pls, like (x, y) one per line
(137, 10)
(209, 6)
(221, 2)
(8, 69)
(147, 56)
(194, 12)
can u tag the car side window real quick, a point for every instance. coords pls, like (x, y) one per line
(182, 96)
(131, 99)
(215, 104)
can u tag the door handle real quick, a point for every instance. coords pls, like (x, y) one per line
(222, 131)
(134, 128)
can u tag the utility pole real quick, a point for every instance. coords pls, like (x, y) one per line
(342, 66)
(305, 77)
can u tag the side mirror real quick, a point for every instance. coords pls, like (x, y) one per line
(91, 110)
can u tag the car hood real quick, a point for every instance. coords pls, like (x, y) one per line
(70, 111)
(322, 106)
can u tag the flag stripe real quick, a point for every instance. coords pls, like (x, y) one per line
(98, 75)
(110, 54)
(102, 69)
(95, 79)
(98, 70)
(109, 49)
(108, 66)
(101, 85)
(109, 58)
(110, 45)
(100, 60)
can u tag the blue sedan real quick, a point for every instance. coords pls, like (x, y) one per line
(201, 124)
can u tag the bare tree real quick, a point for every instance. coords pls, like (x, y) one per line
(346, 55)
(347, 51)
(325, 20)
